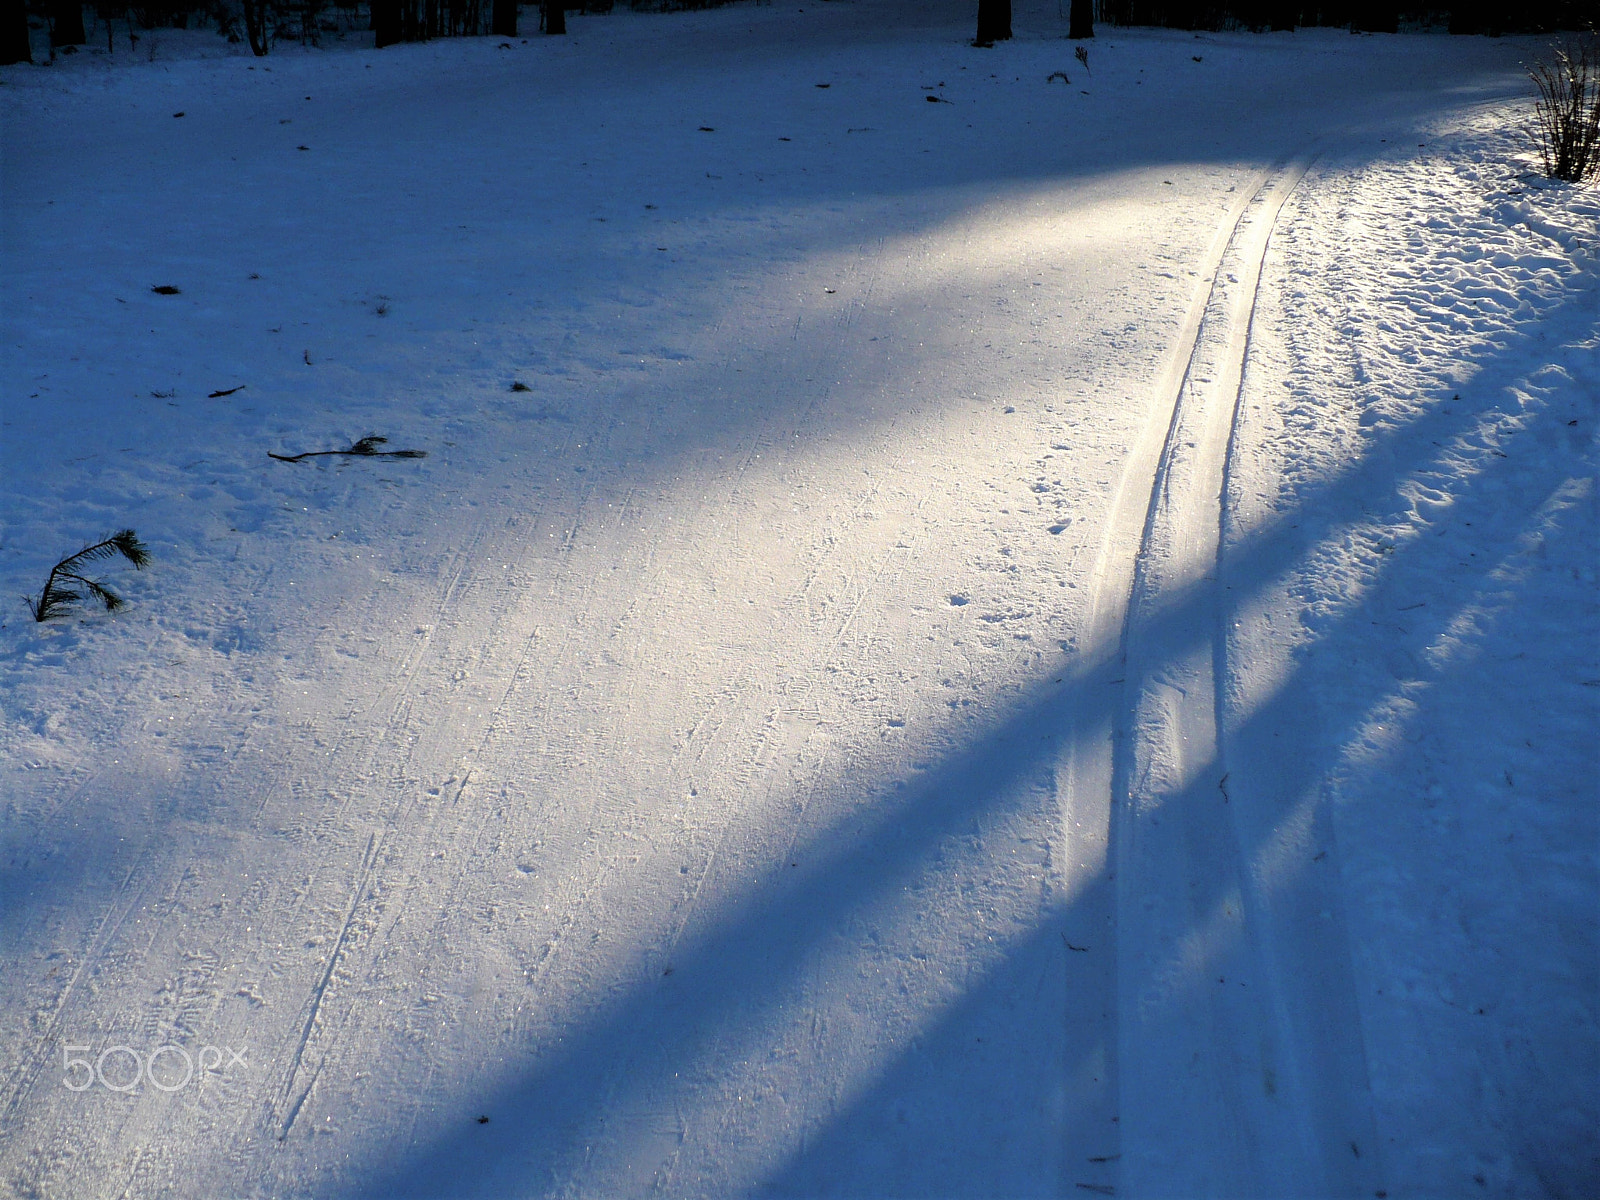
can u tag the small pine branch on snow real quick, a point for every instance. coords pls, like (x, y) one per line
(367, 447)
(68, 585)
(1566, 128)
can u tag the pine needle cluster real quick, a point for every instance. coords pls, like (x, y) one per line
(68, 585)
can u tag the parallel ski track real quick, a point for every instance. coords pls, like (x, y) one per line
(290, 1100)
(1220, 1059)
(1145, 507)
(1151, 510)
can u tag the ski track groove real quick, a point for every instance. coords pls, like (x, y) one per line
(491, 725)
(1136, 761)
(288, 1106)
(1174, 1070)
(318, 991)
(124, 902)
(400, 686)
(94, 950)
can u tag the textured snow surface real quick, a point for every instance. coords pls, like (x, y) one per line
(1434, 432)
(709, 770)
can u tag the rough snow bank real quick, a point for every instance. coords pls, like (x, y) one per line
(1429, 454)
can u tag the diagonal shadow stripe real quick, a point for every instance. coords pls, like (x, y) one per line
(635, 1042)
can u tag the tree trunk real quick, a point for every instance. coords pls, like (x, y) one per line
(1466, 16)
(385, 22)
(14, 45)
(255, 26)
(1376, 16)
(994, 22)
(66, 23)
(555, 16)
(1080, 19)
(503, 18)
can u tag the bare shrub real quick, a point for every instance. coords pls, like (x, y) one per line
(1566, 128)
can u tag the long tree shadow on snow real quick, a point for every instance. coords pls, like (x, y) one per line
(33, 880)
(730, 983)
(927, 1123)
(1549, 1087)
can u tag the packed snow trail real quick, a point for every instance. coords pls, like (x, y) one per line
(696, 775)
(1217, 1016)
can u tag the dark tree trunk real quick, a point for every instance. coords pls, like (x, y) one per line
(385, 22)
(1376, 16)
(66, 23)
(1080, 20)
(503, 18)
(555, 16)
(255, 26)
(14, 47)
(1466, 16)
(994, 22)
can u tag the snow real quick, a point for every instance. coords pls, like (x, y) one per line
(961, 578)
(1445, 593)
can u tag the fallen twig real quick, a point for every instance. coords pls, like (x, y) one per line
(362, 449)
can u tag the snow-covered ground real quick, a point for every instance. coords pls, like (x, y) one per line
(1036, 641)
